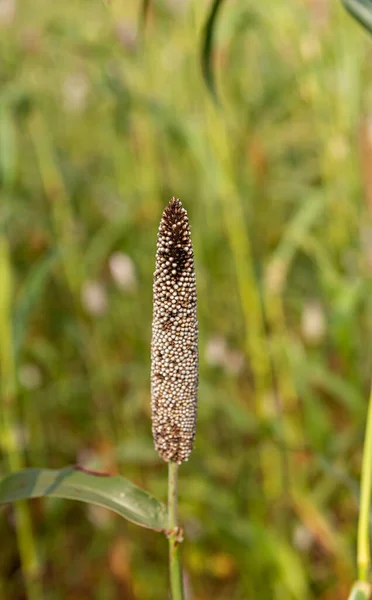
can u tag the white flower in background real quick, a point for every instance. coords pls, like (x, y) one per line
(302, 538)
(126, 35)
(99, 517)
(30, 376)
(94, 298)
(218, 354)
(123, 271)
(313, 322)
(215, 351)
(7, 11)
(74, 92)
(234, 361)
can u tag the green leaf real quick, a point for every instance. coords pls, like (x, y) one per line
(207, 48)
(75, 483)
(361, 591)
(361, 10)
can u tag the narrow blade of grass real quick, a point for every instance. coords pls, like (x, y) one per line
(207, 48)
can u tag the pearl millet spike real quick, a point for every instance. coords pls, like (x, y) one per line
(174, 346)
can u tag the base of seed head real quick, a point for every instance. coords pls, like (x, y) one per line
(174, 346)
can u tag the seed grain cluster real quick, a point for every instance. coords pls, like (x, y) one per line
(174, 347)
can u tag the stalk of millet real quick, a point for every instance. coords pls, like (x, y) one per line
(174, 346)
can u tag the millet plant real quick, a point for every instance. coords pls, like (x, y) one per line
(174, 384)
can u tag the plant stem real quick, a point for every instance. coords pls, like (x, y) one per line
(175, 569)
(8, 391)
(363, 554)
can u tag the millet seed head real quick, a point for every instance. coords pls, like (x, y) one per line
(174, 345)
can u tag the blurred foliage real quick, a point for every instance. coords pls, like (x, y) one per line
(104, 116)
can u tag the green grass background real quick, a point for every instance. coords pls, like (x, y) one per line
(101, 122)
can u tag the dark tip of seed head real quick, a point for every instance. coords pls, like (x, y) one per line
(174, 217)
(174, 230)
(173, 204)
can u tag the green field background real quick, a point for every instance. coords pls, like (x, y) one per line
(104, 116)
